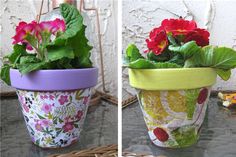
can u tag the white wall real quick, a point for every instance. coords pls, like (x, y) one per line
(13, 11)
(140, 16)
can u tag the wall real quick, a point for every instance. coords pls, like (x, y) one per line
(13, 11)
(218, 16)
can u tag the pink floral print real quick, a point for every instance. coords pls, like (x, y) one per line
(49, 114)
(26, 108)
(47, 108)
(38, 127)
(45, 122)
(51, 97)
(79, 114)
(68, 126)
(43, 97)
(86, 100)
(21, 99)
(63, 99)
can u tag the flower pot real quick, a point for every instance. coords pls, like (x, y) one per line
(54, 103)
(173, 102)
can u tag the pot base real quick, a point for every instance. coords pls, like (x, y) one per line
(72, 143)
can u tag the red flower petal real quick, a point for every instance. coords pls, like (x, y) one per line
(178, 26)
(161, 134)
(202, 96)
(158, 42)
(155, 31)
(201, 36)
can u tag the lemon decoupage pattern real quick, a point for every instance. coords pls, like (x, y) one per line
(173, 118)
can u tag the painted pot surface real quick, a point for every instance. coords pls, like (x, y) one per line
(54, 119)
(174, 117)
(54, 80)
(173, 102)
(54, 103)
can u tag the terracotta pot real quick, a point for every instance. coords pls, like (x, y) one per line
(54, 103)
(173, 102)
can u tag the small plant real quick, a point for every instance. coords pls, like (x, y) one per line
(59, 44)
(179, 43)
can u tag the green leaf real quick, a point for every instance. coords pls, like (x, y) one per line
(147, 64)
(142, 64)
(161, 65)
(78, 63)
(59, 52)
(187, 50)
(217, 57)
(84, 62)
(29, 67)
(172, 39)
(73, 38)
(18, 51)
(32, 40)
(190, 63)
(132, 53)
(164, 56)
(224, 74)
(79, 43)
(64, 63)
(5, 74)
(191, 99)
(29, 59)
(74, 23)
(177, 59)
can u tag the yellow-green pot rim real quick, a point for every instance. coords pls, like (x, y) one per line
(172, 79)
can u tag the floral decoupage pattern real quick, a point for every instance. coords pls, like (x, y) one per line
(54, 119)
(174, 118)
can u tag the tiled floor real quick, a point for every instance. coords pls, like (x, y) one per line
(100, 128)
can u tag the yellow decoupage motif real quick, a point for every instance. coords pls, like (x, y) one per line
(151, 103)
(176, 101)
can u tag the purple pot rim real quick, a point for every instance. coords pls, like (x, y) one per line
(57, 70)
(54, 80)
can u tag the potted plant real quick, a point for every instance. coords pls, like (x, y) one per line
(174, 80)
(54, 84)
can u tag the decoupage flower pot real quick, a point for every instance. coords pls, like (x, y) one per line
(54, 103)
(173, 102)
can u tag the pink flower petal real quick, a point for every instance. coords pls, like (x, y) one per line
(46, 26)
(19, 37)
(58, 25)
(20, 26)
(29, 47)
(21, 32)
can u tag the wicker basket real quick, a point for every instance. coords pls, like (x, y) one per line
(103, 151)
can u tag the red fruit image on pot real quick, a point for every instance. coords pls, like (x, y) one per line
(161, 134)
(202, 96)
